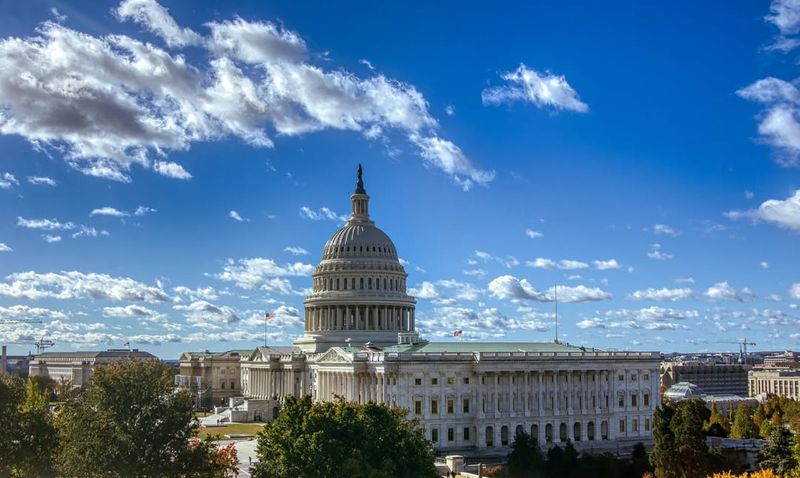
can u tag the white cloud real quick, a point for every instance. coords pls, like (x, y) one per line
(450, 110)
(508, 261)
(530, 233)
(41, 180)
(724, 291)
(70, 285)
(204, 293)
(206, 315)
(664, 230)
(671, 295)
(108, 211)
(785, 14)
(445, 155)
(606, 265)
(684, 280)
(569, 264)
(367, 63)
(656, 253)
(143, 211)
(27, 312)
(258, 272)
(157, 19)
(649, 318)
(7, 180)
(783, 213)
(128, 103)
(5, 248)
(45, 224)
(542, 89)
(133, 311)
(509, 287)
(50, 238)
(425, 291)
(764, 264)
(475, 272)
(296, 251)
(321, 214)
(84, 231)
(778, 122)
(237, 217)
(794, 291)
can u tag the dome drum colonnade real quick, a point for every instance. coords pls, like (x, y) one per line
(359, 292)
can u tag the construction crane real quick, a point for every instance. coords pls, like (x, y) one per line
(742, 349)
(20, 321)
(43, 344)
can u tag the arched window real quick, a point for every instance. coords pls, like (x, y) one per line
(576, 431)
(562, 432)
(604, 430)
(590, 430)
(535, 431)
(369, 283)
(519, 431)
(548, 432)
(504, 435)
(489, 436)
(361, 283)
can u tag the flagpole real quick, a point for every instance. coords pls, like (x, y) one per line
(266, 317)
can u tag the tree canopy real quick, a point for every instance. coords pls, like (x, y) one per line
(342, 439)
(132, 423)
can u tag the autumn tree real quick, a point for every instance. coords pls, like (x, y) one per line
(743, 425)
(132, 422)
(342, 439)
(11, 396)
(37, 438)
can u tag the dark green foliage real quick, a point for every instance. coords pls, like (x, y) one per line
(342, 439)
(131, 423)
(680, 448)
(11, 396)
(525, 459)
(777, 454)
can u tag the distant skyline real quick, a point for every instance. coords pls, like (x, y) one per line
(170, 171)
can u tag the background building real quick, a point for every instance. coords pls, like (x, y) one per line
(713, 379)
(77, 367)
(213, 377)
(785, 359)
(780, 382)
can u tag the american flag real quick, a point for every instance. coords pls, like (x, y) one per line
(457, 333)
(126, 344)
(269, 316)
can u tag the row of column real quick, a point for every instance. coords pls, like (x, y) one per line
(393, 284)
(356, 387)
(360, 317)
(268, 383)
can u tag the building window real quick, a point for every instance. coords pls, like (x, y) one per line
(417, 381)
(634, 377)
(466, 380)
(434, 381)
(646, 399)
(451, 434)
(621, 400)
(621, 377)
(222, 384)
(466, 433)
(635, 425)
(647, 424)
(622, 426)
(450, 380)
(465, 406)
(450, 406)
(634, 400)
(417, 407)
(361, 283)
(435, 435)
(434, 407)
(233, 384)
(646, 377)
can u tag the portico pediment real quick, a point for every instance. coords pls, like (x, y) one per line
(335, 355)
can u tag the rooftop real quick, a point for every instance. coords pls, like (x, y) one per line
(478, 347)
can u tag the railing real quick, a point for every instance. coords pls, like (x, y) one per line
(468, 356)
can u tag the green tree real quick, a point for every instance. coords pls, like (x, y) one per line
(717, 424)
(37, 438)
(342, 439)
(680, 449)
(777, 454)
(525, 459)
(11, 397)
(664, 456)
(760, 415)
(132, 423)
(743, 424)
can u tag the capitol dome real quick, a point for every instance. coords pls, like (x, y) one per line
(359, 293)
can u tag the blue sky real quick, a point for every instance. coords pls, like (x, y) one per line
(169, 171)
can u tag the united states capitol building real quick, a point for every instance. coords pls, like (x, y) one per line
(360, 343)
